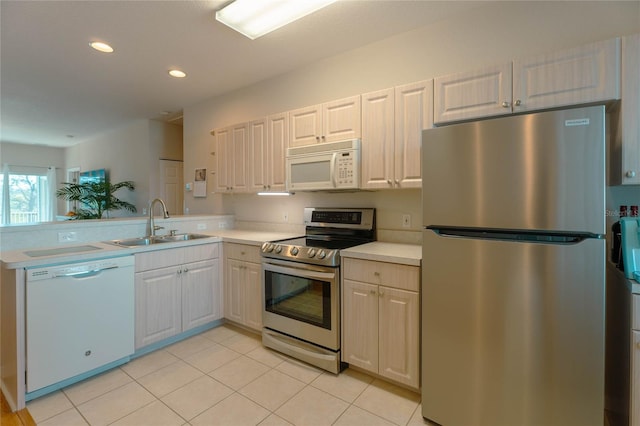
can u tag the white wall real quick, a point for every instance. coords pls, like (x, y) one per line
(486, 35)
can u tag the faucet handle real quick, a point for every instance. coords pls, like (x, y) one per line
(156, 227)
(172, 232)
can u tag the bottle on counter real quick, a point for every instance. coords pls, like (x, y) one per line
(634, 211)
(616, 246)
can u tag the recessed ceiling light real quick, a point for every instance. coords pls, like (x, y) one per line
(101, 47)
(177, 73)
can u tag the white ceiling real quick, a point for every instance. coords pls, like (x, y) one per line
(55, 90)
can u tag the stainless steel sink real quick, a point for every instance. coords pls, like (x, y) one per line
(158, 239)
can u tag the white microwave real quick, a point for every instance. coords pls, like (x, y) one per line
(325, 166)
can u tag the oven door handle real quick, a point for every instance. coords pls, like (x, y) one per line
(307, 273)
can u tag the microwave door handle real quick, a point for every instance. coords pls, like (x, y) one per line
(332, 170)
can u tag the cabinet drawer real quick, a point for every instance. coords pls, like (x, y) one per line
(245, 252)
(388, 274)
(200, 252)
(635, 323)
(175, 256)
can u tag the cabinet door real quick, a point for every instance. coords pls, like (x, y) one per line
(306, 126)
(635, 379)
(158, 305)
(341, 120)
(233, 294)
(224, 160)
(378, 137)
(360, 325)
(258, 155)
(479, 93)
(200, 294)
(630, 134)
(278, 136)
(414, 113)
(575, 76)
(399, 336)
(240, 136)
(253, 295)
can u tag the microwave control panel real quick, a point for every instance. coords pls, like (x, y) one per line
(346, 174)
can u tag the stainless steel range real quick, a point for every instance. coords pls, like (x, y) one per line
(301, 309)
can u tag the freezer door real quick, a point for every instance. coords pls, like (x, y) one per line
(533, 171)
(512, 332)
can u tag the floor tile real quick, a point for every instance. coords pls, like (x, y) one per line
(239, 372)
(219, 334)
(274, 420)
(417, 419)
(266, 356)
(148, 364)
(67, 418)
(189, 346)
(355, 416)
(391, 402)
(235, 410)
(299, 370)
(154, 414)
(170, 378)
(312, 407)
(88, 389)
(242, 343)
(48, 406)
(212, 358)
(115, 404)
(272, 389)
(196, 397)
(347, 385)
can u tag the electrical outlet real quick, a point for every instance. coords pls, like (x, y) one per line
(285, 217)
(202, 226)
(67, 237)
(144, 211)
(222, 225)
(406, 221)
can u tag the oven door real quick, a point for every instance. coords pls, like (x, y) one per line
(302, 301)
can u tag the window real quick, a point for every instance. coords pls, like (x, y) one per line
(27, 197)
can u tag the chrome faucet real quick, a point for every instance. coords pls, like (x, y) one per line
(152, 226)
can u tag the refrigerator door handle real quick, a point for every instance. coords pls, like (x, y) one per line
(515, 235)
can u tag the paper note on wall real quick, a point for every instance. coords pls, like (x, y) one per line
(200, 185)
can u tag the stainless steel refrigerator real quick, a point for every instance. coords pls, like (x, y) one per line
(513, 284)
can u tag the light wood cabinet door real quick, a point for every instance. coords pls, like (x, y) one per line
(240, 136)
(253, 295)
(158, 305)
(635, 379)
(399, 335)
(258, 149)
(306, 126)
(224, 156)
(278, 142)
(341, 120)
(413, 114)
(378, 139)
(360, 325)
(630, 109)
(589, 73)
(201, 302)
(480, 93)
(233, 303)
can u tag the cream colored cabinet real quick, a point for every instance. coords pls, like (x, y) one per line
(243, 285)
(268, 143)
(329, 122)
(581, 75)
(231, 145)
(635, 363)
(175, 290)
(626, 150)
(381, 319)
(378, 139)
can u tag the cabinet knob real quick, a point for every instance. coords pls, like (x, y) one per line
(372, 292)
(517, 102)
(631, 174)
(376, 273)
(389, 182)
(381, 293)
(317, 138)
(505, 104)
(186, 270)
(397, 181)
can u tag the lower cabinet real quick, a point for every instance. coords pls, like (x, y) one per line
(243, 285)
(381, 319)
(175, 291)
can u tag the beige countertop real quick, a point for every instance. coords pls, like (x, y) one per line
(406, 254)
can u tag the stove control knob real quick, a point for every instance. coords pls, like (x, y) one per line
(321, 254)
(267, 247)
(278, 248)
(294, 251)
(311, 252)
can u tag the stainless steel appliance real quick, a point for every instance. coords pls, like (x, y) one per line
(301, 305)
(513, 280)
(324, 166)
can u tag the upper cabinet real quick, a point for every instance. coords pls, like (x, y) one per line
(575, 76)
(392, 124)
(231, 145)
(268, 143)
(329, 122)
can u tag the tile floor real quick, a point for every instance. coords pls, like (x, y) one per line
(226, 377)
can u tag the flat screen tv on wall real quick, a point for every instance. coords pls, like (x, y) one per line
(99, 175)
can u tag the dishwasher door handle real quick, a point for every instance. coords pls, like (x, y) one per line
(82, 274)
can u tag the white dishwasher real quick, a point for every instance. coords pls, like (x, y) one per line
(80, 316)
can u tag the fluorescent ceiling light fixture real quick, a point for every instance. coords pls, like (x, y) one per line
(255, 18)
(177, 73)
(101, 47)
(276, 193)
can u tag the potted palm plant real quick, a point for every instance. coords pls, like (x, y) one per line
(95, 198)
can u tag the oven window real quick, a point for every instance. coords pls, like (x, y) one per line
(303, 299)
